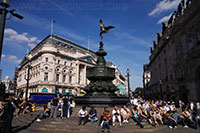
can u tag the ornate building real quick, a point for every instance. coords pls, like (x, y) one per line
(57, 65)
(120, 81)
(146, 78)
(175, 56)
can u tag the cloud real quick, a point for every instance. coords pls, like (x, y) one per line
(13, 59)
(31, 45)
(163, 6)
(12, 35)
(164, 19)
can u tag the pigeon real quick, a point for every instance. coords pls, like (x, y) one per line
(104, 29)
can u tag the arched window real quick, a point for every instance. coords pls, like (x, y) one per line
(63, 91)
(44, 90)
(53, 91)
(57, 91)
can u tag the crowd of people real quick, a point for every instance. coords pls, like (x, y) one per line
(13, 106)
(61, 107)
(155, 113)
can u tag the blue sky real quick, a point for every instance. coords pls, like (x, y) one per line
(136, 22)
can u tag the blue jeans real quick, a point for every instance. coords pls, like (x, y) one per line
(138, 120)
(92, 119)
(105, 124)
(170, 122)
(43, 115)
(65, 111)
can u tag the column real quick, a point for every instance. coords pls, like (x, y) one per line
(84, 75)
(77, 73)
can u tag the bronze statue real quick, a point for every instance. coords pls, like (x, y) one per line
(104, 29)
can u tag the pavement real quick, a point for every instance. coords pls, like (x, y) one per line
(27, 124)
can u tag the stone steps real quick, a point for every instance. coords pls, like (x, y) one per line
(58, 125)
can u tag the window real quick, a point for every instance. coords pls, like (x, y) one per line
(70, 79)
(58, 61)
(45, 76)
(71, 64)
(46, 67)
(65, 63)
(44, 90)
(64, 77)
(57, 77)
(46, 59)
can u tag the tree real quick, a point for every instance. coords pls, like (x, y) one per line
(139, 91)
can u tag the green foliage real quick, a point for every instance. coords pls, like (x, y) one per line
(139, 91)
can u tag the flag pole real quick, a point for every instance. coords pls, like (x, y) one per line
(51, 27)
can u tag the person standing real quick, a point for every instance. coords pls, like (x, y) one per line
(65, 107)
(54, 107)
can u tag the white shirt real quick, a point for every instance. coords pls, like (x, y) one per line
(82, 113)
(114, 111)
(135, 101)
(124, 111)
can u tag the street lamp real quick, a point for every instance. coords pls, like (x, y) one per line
(128, 74)
(3, 11)
(27, 78)
(161, 92)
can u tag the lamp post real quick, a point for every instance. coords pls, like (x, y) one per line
(27, 78)
(128, 74)
(3, 11)
(161, 92)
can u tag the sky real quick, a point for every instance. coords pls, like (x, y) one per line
(136, 24)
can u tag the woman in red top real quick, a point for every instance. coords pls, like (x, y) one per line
(106, 119)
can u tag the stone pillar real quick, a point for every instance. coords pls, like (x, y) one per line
(77, 73)
(84, 75)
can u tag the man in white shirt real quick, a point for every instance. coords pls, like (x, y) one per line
(116, 115)
(83, 115)
(125, 114)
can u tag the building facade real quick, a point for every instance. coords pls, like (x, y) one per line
(120, 80)
(57, 66)
(175, 56)
(146, 79)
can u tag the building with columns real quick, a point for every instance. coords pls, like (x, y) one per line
(57, 66)
(120, 80)
(174, 63)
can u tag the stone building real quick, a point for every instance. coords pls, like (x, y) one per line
(146, 78)
(175, 56)
(120, 81)
(57, 66)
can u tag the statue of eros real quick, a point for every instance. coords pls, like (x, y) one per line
(104, 29)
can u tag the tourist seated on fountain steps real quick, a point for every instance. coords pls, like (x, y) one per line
(93, 114)
(116, 116)
(83, 115)
(44, 114)
(102, 114)
(125, 114)
(137, 117)
(106, 121)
